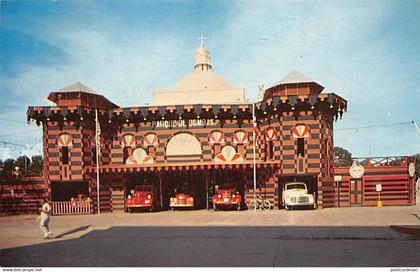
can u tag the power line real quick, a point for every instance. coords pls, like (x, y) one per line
(13, 121)
(376, 126)
(10, 143)
(23, 132)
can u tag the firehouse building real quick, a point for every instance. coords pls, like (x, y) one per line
(200, 135)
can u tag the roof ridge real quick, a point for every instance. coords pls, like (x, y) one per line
(294, 77)
(77, 87)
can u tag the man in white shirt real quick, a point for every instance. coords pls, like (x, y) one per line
(45, 219)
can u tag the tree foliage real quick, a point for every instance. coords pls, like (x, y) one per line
(37, 164)
(417, 156)
(342, 156)
(25, 166)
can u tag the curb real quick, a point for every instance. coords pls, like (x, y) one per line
(412, 230)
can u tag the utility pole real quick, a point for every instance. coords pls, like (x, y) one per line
(254, 142)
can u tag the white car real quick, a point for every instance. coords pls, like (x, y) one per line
(295, 194)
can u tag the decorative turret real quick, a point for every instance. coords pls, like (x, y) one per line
(78, 94)
(295, 83)
(202, 56)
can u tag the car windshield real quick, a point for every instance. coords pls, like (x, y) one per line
(296, 186)
(226, 189)
(144, 188)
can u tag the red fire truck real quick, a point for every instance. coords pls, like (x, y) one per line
(228, 198)
(143, 197)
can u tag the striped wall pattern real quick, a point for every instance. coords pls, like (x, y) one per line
(23, 196)
(164, 135)
(105, 200)
(284, 148)
(398, 188)
(267, 186)
(56, 169)
(285, 151)
(118, 204)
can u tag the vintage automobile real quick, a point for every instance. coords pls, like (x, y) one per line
(181, 200)
(227, 198)
(295, 194)
(142, 197)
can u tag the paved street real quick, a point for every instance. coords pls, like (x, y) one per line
(330, 237)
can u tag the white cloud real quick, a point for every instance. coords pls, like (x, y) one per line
(341, 46)
(334, 43)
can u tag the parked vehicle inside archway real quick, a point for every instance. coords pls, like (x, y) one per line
(295, 194)
(142, 197)
(226, 197)
(182, 199)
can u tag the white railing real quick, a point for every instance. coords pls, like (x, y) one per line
(71, 207)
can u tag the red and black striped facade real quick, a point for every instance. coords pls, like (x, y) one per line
(293, 140)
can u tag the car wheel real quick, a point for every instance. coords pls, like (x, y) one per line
(286, 207)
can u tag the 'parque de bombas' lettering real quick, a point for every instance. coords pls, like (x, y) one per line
(183, 123)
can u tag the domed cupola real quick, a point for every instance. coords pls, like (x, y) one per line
(201, 86)
(202, 57)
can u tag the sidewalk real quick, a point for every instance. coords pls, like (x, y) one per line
(24, 230)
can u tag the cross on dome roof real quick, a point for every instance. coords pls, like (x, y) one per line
(202, 57)
(202, 38)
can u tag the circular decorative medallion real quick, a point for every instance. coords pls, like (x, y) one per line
(356, 170)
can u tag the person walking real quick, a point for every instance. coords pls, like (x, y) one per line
(45, 219)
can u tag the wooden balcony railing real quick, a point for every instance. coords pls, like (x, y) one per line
(377, 161)
(71, 207)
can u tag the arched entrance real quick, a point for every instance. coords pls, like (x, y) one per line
(183, 147)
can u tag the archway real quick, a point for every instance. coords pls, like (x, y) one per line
(183, 147)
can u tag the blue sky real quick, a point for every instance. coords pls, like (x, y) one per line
(365, 51)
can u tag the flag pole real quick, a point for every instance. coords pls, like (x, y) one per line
(254, 142)
(97, 143)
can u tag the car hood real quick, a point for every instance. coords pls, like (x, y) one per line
(295, 192)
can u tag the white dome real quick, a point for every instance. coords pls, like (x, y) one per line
(201, 86)
(202, 80)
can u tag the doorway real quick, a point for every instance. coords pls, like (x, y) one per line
(356, 192)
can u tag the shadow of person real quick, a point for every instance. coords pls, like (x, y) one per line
(71, 231)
